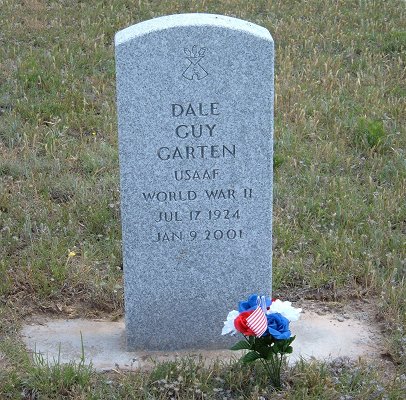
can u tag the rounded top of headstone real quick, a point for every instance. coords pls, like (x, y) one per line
(196, 19)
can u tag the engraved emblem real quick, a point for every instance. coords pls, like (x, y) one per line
(194, 70)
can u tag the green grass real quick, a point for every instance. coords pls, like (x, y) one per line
(340, 181)
(191, 379)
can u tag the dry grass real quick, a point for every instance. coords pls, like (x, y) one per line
(340, 181)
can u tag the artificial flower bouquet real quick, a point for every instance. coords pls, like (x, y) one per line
(265, 326)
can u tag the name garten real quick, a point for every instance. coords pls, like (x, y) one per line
(192, 152)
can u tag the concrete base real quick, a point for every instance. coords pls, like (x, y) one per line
(319, 336)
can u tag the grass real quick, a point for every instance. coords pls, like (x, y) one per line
(190, 379)
(340, 182)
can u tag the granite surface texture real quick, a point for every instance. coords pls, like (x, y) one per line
(195, 113)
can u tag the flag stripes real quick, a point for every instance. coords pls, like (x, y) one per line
(257, 321)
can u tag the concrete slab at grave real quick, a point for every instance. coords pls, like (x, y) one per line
(321, 336)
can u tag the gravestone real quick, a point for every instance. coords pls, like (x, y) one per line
(195, 115)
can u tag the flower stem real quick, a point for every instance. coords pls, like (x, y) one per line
(275, 374)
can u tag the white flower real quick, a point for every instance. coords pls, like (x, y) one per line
(285, 308)
(229, 327)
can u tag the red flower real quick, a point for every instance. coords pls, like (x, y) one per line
(240, 323)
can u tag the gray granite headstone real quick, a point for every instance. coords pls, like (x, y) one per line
(195, 111)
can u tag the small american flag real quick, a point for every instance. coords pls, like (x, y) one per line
(257, 321)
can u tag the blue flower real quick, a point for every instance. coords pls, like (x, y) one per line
(278, 326)
(251, 303)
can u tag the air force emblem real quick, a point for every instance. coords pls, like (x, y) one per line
(194, 69)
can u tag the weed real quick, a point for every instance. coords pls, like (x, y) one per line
(54, 379)
(394, 42)
(370, 134)
(277, 161)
